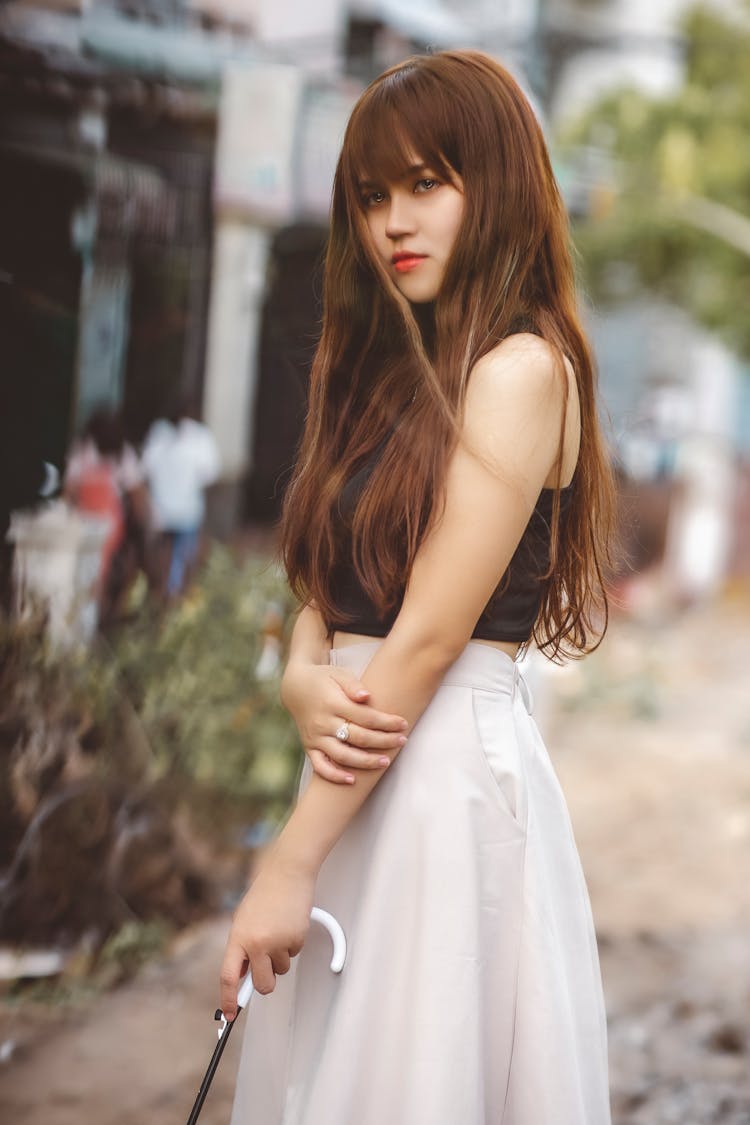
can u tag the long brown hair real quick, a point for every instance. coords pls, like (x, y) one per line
(380, 379)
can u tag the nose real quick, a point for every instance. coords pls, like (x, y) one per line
(400, 217)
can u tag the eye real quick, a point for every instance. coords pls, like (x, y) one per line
(426, 184)
(372, 198)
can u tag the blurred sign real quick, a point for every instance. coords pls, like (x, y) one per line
(255, 152)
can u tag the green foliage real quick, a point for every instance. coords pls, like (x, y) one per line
(129, 949)
(173, 703)
(151, 749)
(663, 155)
(193, 683)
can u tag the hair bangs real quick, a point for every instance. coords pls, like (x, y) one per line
(396, 125)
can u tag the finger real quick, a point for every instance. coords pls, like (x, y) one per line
(295, 947)
(370, 719)
(263, 974)
(324, 767)
(281, 962)
(362, 738)
(353, 687)
(359, 693)
(232, 968)
(354, 757)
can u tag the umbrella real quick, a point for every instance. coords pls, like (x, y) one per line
(243, 999)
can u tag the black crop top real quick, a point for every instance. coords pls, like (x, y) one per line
(508, 616)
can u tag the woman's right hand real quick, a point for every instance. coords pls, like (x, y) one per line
(320, 698)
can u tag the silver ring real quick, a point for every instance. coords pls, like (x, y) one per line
(343, 732)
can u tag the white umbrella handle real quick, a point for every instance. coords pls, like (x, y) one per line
(337, 960)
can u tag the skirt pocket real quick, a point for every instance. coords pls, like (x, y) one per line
(498, 740)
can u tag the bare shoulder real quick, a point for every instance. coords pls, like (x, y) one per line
(518, 396)
(523, 369)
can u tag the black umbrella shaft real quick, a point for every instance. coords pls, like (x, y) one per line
(208, 1077)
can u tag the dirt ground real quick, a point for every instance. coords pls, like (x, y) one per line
(651, 739)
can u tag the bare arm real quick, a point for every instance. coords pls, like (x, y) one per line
(320, 697)
(309, 643)
(509, 445)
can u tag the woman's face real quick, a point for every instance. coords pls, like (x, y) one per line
(413, 223)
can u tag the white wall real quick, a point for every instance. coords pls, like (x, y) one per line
(238, 281)
(278, 20)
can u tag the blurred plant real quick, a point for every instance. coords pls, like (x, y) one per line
(127, 950)
(195, 687)
(678, 219)
(127, 770)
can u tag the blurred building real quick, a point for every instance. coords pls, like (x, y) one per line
(105, 208)
(116, 286)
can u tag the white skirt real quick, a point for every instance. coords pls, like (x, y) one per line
(471, 993)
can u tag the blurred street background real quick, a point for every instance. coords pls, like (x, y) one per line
(165, 175)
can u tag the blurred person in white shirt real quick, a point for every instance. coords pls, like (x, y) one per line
(181, 459)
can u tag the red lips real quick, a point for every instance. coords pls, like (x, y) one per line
(404, 260)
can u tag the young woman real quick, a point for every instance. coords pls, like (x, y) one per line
(451, 502)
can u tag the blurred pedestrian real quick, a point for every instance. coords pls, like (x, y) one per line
(104, 477)
(451, 502)
(181, 460)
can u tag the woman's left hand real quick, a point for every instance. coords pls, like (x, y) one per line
(321, 698)
(268, 929)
